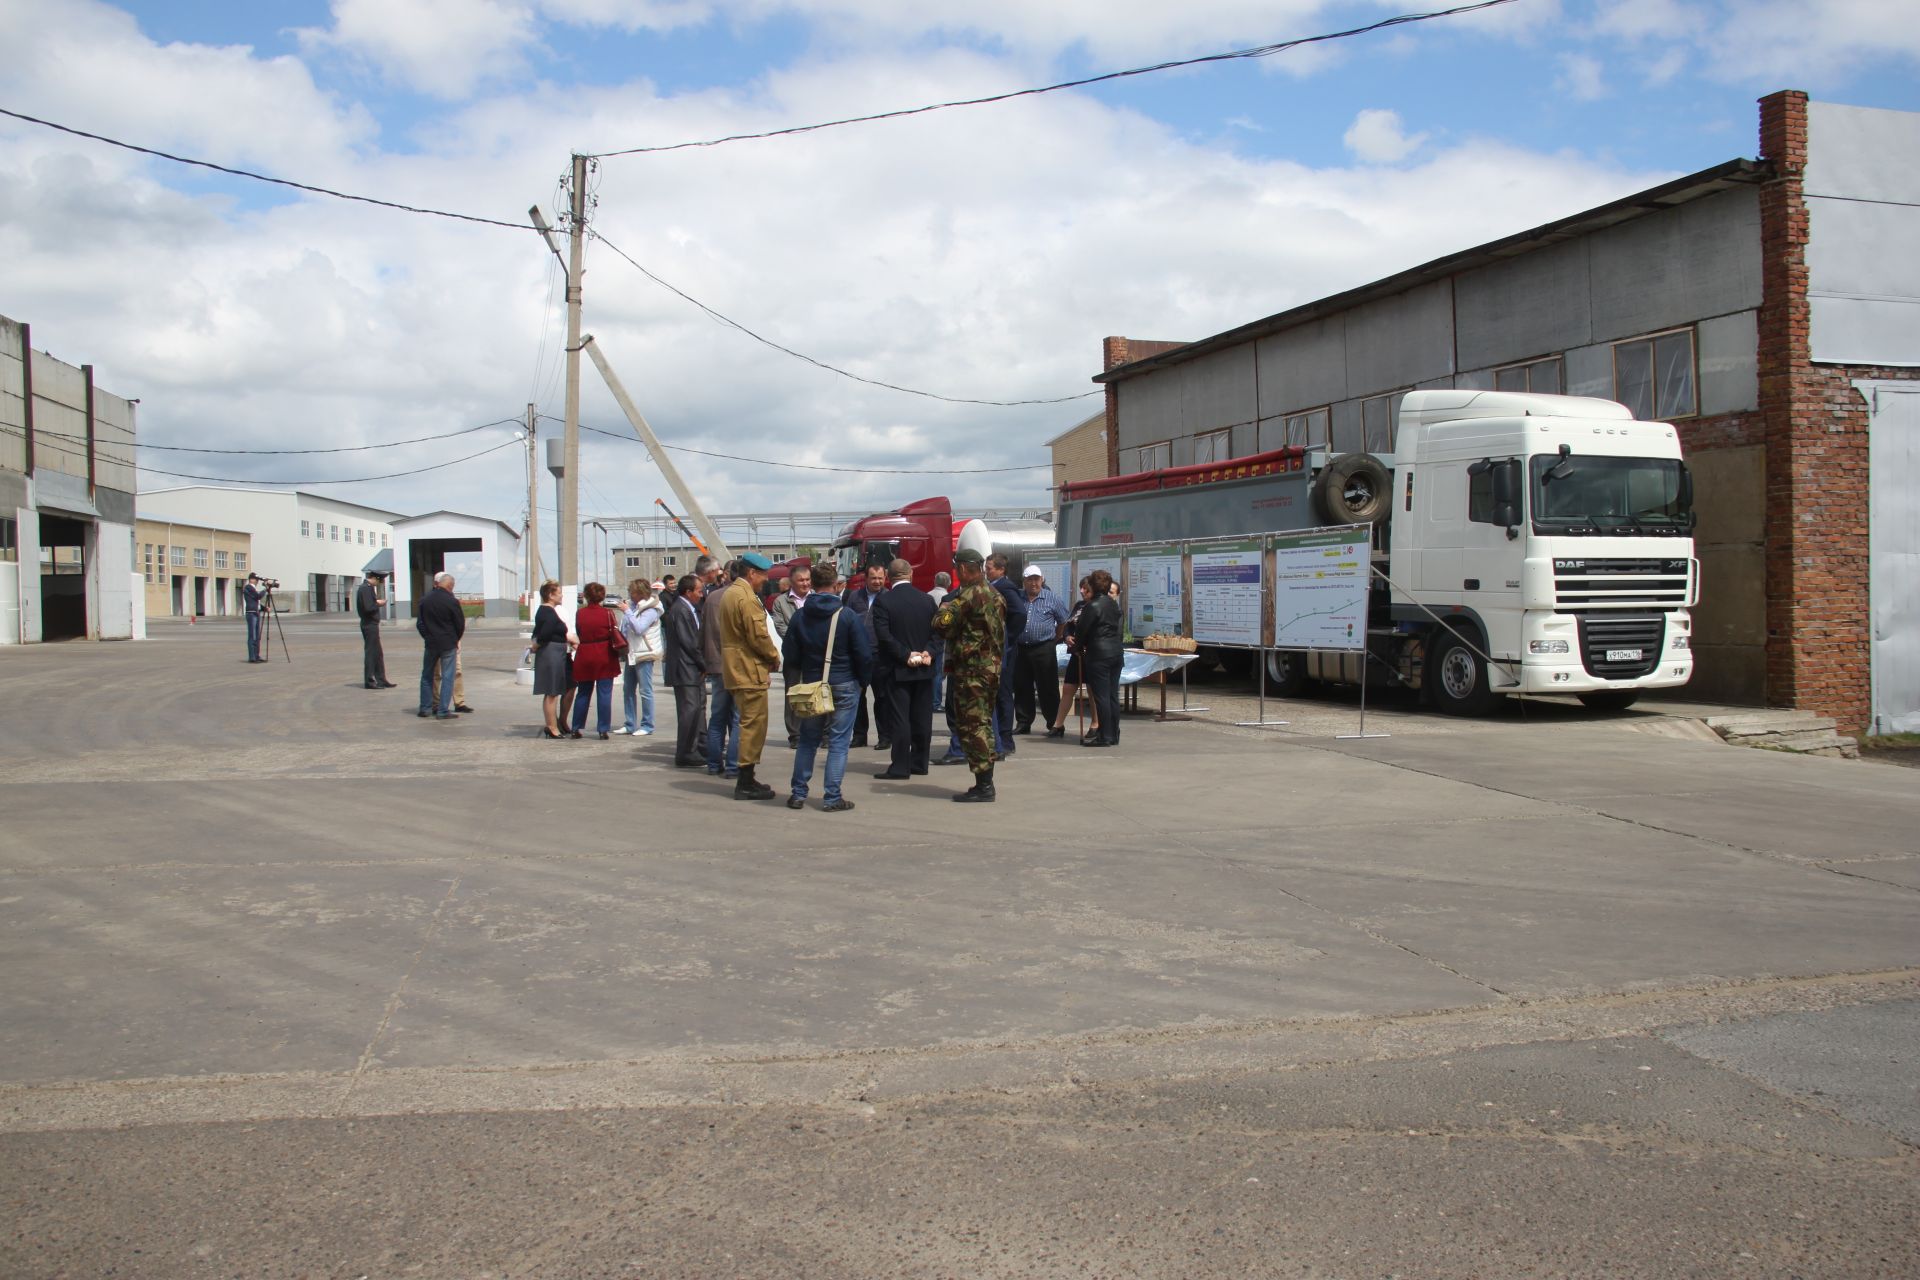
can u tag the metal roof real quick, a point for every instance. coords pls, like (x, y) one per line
(1695, 186)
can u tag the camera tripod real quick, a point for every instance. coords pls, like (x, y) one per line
(271, 610)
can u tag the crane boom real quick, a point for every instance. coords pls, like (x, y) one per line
(716, 545)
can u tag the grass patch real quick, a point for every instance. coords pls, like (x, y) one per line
(1890, 742)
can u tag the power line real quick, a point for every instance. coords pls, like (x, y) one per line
(351, 448)
(821, 364)
(1262, 51)
(250, 480)
(261, 177)
(807, 466)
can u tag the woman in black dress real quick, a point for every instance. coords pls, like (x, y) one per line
(552, 676)
(1074, 677)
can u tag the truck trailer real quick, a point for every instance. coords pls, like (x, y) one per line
(1521, 544)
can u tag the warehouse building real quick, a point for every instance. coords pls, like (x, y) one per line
(191, 571)
(1770, 308)
(314, 546)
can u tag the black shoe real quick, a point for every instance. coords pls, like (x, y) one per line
(1022, 728)
(423, 714)
(372, 685)
(448, 715)
(680, 764)
(858, 742)
(889, 775)
(795, 802)
(1095, 742)
(919, 773)
(603, 737)
(745, 788)
(951, 760)
(386, 684)
(982, 792)
(463, 709)
(1058, 731)
(883, 745)
(837, 806)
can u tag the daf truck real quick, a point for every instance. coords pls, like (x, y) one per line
(1522, 544)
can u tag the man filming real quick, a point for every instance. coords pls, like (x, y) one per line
(252, 593)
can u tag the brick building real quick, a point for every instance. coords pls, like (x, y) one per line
(1770, 308)
(1079, 453)
(191, 570)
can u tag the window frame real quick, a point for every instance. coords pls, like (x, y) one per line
(1559, 360)
(179, 560)
(219, 559)
(1140, 461)
(1653, 371)
(1221, 442)
(1393, 414)
(239, 561)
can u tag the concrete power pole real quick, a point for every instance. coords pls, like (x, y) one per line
(533, 514)
(569, 522)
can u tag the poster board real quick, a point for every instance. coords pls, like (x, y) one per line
(1084, 565)
(1055, 573)
(1226, 593)
(1320, 586)
(1156, 599)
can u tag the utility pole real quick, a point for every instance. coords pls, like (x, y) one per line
(533, 515)
(570, 481)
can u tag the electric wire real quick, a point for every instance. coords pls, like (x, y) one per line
(39, 444)
(822, 364)
(809, 466)
(1231, 55)
(40, 432)
(261, 177)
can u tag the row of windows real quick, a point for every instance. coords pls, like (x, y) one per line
(1653, 376)
(332, 532)
(156, 557)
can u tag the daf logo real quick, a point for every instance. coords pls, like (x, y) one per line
(1569, 564)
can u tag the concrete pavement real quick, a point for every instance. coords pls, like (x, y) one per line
(449, 999)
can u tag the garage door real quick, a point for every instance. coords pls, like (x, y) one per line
(1893, 530)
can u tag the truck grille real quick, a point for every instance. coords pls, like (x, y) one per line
(1580, 585)
(1608, 640)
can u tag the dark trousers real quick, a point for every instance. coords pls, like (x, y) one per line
(253, 635)
(1003, 703)
(1103, 681)
(689, 710)
(1036, 684)
(910, 703)
(375, 661)
(883, 720)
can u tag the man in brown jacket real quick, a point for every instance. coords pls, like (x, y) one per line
(748, 660)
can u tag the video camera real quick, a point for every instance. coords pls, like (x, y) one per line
(269, 584)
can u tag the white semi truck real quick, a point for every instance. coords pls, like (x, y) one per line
(1522, 544)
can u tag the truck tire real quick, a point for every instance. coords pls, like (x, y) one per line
(1355, 488)
(1458, 677)
(1287, 674)
(1610, 699)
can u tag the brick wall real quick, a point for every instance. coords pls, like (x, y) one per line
(1114, 353)
(1080, 454)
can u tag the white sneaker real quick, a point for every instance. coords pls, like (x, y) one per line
(642, 733)
(619, 731)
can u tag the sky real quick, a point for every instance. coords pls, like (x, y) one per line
(978, 253)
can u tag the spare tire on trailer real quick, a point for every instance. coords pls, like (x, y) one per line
(1355, 488)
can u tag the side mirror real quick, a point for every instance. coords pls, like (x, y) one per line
(1506, 490)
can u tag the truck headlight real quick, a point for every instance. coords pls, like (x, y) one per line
(1683, 644)
(1548, 646)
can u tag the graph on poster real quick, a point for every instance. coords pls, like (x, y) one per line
(1153, 595)
(1226, 594)
(1320, 583)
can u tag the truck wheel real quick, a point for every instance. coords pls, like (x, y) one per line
(1458, 678)
(1354, 488)
(1611, 699)
(1287, 674)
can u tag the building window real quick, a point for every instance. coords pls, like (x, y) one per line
(219, 559)
(1377, 414)
(670, 561)
(336, 532)
(303, 528)
(383, 539)
(10, 542)
(1151, 457)
(1654, 376)
(1542, 377)
(199, 557)
(633, 562)
(239, 561)
(179, 557)
(362, 538)
(1214, 446)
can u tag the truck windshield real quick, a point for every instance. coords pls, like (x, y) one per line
(1593, 494)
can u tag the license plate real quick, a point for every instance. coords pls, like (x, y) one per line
(1623, 655)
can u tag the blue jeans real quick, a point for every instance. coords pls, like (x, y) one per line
(723, 727)
(603, 694)
(1003, 704)
(437, 665)
(253, 635)
(939, 650)
(838, 730)
(640, 680)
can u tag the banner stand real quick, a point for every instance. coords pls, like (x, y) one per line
(1184, 708)
(1350, 737)
(1260, 656)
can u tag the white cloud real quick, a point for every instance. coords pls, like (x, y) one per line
(1581, 78)
(440, 47)
(1376, 137)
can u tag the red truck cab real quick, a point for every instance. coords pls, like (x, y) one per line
(921, 533)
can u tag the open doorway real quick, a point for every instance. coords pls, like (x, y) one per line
(63, 577)
(427, 557)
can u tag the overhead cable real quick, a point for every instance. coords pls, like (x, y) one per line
(261, 177)
(1265, 50)
(253, 480)
(821, 364)
(810, 466)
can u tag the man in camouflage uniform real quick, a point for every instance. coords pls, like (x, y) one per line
(973, 621)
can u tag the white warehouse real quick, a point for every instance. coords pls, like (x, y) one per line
(316, 546)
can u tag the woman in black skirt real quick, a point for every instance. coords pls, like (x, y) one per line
(1070, 682)
(552, 673)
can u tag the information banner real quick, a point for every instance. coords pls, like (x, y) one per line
(1084, 565)
(1320, 588)
(1154, 604)
(1226, 593)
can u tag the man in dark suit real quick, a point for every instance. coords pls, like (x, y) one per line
(1016, 602)
(903, 627)
(684, 668)
(865, 588)
(441, 624)
(368, 602)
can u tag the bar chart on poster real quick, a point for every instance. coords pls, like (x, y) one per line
(1153, 595)
(1320, 589)
(1226, 593)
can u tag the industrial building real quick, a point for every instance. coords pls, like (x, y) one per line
(191, 571)
(316, 547)
(1769, 307)
(66, 499)
(422, 546)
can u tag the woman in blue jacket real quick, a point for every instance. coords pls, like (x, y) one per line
(804, 657)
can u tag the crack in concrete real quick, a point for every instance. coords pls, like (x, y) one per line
(393, 1001)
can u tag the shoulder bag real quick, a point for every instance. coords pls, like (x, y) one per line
(616, 639)
(815, 697)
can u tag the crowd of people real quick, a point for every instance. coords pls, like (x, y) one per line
(874, 658)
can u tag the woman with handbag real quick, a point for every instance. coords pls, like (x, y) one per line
(596, 659)
(824, 662)
(552, 673)
(640, 623)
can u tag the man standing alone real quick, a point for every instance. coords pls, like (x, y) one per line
(368, 602)
(974, 622)
(252, 593)
(748, 661)
(442, 622)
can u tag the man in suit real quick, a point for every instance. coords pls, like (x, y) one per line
(441, 624)
(368, 602)
(685, 671)
(903, 627)
(865, 588)
(1016, 604)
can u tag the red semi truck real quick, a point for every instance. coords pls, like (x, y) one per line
(925, 535)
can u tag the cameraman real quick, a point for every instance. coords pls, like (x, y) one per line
(252, 594)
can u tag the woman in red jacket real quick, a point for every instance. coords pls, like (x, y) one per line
(593, 662)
